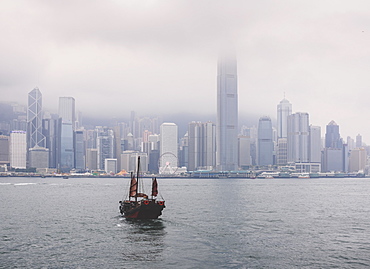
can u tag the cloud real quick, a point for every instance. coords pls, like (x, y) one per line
(160, 56)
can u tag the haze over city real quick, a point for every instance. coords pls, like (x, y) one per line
(160, 57)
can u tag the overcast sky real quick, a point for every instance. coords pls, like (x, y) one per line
(160, 56)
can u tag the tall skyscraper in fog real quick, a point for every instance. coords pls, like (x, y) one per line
(35, 138)
(66, 133)
(227, 114)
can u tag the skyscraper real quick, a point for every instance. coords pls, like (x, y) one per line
(284, 109)
(18, 149)
(298, 137)
(105, 145)
(315, 144)
(334, 154)
(332, 136)
(66, 160)
(35, 138)
(227, 114)
(265, 142)
(201, 146)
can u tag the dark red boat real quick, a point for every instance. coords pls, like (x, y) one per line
(139, 205)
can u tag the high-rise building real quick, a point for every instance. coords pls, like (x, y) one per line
(244, 144)
(227, 114)
(18, 149)
(332, 136)
(38, 157)
(79, 148)
(201, 146)
(357, 160)
(110, 165)
(4, 150)
(105, 145)
(334, 155)
(284, 109)
(358, 141)
(265, 142)
(66, 160)
(315, 144)
(35, 138)
(298, 138)
(168, 161)
(67, 110)
(50, 131)
(91, 159)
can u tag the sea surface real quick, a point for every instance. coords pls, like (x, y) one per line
(208, 223)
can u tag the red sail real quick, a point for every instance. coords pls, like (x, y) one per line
(133, 187)
(154, 187)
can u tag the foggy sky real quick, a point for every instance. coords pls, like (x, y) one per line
(160, 57)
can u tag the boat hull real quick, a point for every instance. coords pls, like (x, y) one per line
(140, 210)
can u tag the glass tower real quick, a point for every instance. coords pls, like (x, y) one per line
(34, 119)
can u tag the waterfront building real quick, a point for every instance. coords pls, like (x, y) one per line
(227, 114)
(298, 138)
(265, 142)
(110, 165)
(333, 160)
(66, 112)
(129, 161)
(357, 160)
(153, 161)
(4, 150)
(168, 160)
(91, 159)
(244, 145)
(282, 152)
(18, 149)
(38, 157)
(183, 151)
(201, 146)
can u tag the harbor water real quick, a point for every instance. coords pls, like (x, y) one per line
(207, 223)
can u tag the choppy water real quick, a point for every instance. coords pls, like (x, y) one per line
(208, 223)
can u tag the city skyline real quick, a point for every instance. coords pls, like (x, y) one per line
(112, 54)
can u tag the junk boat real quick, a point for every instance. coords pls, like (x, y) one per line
(139, 205)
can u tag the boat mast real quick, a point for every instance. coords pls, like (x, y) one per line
(137, 177)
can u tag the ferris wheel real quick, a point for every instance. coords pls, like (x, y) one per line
(168, 163)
